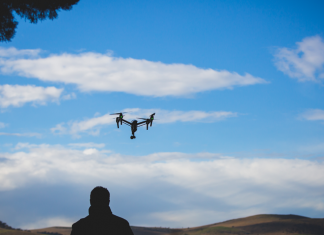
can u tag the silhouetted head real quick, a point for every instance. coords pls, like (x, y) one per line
(99, 196)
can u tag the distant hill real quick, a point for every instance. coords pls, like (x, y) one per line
(8, 230)
(252, 225)
(263, 224)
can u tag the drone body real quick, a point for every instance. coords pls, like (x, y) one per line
(134, 124)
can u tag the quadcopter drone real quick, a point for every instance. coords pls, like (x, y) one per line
(134, 124)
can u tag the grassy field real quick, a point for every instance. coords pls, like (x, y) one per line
(15, 232)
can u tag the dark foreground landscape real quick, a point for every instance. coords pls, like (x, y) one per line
(252, 225)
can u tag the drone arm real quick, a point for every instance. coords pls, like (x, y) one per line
(127, 122)
(139, 123)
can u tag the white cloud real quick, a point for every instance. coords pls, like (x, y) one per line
(21, 134)
(206, 184)
(87, 145)
(102, 72)
(16, 95)
(306, 63)
(93, 125)
(2, 125)
(90, 151)
(313, 115)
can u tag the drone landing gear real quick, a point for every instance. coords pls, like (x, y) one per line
(133, 137)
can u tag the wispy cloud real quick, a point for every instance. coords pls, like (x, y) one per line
(186, 185)
(93, 125)
(102, 72)
(313, 115)
(16, 95)
(16, 53)
(69, 96)
(21, 145)
(2, 125)
(306, 63)
(22, 134)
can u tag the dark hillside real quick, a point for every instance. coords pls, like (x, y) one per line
(252, 225)
(53, 230)
(304, 227)
(4, 225)
(15, 232)
(8, 230)
(262, 224)
(153, 230)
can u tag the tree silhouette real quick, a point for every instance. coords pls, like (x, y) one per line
(33, 10)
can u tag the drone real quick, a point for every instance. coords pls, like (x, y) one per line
(134, 124)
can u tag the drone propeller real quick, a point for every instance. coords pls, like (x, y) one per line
(151, 117)
(117, 113)
(147, 118)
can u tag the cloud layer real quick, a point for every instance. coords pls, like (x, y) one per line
(306, 63)
(93, 125)
(193, 189)
(16, 95)
(102, 72)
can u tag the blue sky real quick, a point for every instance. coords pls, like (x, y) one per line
(237, 87)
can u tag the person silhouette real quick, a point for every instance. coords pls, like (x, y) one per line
(100, 219)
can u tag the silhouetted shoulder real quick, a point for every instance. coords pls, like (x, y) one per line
(80, 221)
(123, 225)
(120, 219)
(81, 226)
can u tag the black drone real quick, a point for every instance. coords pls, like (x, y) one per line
(134, 124)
